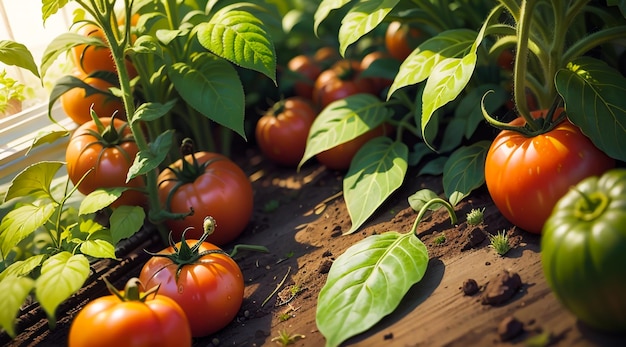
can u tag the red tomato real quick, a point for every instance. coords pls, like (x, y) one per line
(308, 69)
(109, 156)
(339, 81)
(209, 289)
(340, 156)
(77, 104)
(93, 58)
(401, 39)
(218, 187)
(379, 83)
(526, 176)
(130, 322)
(282, 131)
(326, 56)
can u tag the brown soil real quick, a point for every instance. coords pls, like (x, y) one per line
(469, 296)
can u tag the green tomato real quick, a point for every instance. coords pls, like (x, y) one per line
(583, 251)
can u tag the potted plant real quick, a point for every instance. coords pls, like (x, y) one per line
(11, 95)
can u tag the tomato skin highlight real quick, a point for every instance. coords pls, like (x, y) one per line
(111, 164)
(583, 251)
(107, 321)
(222, 191)
(401, 39)
(282, 131)
(210, 291)
(526, 176)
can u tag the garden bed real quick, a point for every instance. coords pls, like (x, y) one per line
(300, 217)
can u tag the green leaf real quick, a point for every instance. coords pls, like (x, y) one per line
(126, 221)
(35, 180)
(434, 167)
(240, 37)
(23, 267)
(361, 19)
(469, 111)
(48, 137)
(423, 60)
(50, 7)
(61, 44)
(61, 276)
(324, 9)
(151, 111)
(22, 221)
(419, 199)
(465, 171)
(342, 121)
(367, 282)
(90, 226)
(14, 291)
(98, 249)
(212, 87)
(99, 199)
(14, 53)
(376, 171)
(594, 101)
(149, 159)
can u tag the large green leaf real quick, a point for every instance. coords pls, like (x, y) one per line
(367, 282)
(50, 7)
(98, 248)
(212, 87)
(595, 100)
(240, 37)
(14, 291)
(22, 221)
(464, 171)
(421, 62)
(61, 276)
(324, 9)
(376, 171)
(342, 121)
(99, 199)
(361, 19)
(125, 221)
(35, 180)
(23, 267)
(14, 53)
(61, 44)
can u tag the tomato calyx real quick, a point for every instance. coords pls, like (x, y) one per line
(591, 206)
(186, 255)
(132, 290)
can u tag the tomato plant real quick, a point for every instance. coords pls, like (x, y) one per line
(90, 93)
(131, 318)
(583, 250)
(205, 281)
(340, 156)
(99, 155)
(339, 81)
(206, 183)
(91, 58)
(526, 175)
(401, 39)
(282, 131)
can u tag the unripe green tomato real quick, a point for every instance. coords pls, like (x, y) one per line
(583, 251)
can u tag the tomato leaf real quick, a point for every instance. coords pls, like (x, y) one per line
(23, 267)
(342, 121)
(152, 157)
(464, 171)
(419, 199)
(240, 37)
(150, 111)
(212, 87)
(361, 19)
(99, 199)
(35, 180)
(367, 282)
(47, 137)
(61, 275)
(324, 9)
(433, 167)
(125, 221)
(601, 111)
(421, 62)
(14, 291)
(98, 248)
(89, 226)
(22, 221)
(60, 45)
(376, 171)
(14, 53)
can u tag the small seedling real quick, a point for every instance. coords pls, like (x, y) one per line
(475, 216)
(284, 338)
(440, 239)
(500, 242)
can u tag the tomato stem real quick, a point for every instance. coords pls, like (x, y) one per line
(428, 204)
(591, 206)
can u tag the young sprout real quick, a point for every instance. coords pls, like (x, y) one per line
(440, 239)
(284, 338)
(500, 242)
(475, 216)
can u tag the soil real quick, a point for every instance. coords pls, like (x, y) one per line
(469, 296)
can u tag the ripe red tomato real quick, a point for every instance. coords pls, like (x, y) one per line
(526, 176)
(340, 156)
(77, 104)
(401, 39)
(209, 289)
(217, 187)
(378, 83)
(339, 81)
(130, 322)
(110, 158)
(282, 131)
(308, 69)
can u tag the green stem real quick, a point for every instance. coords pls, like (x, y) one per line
(521, 62)
(429, 203)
